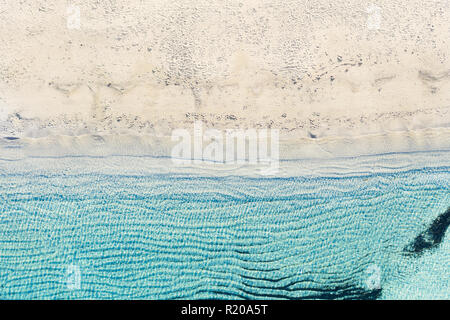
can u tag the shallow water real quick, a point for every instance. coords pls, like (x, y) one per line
(160, 236)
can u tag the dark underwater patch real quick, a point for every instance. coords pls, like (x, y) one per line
(431, 237)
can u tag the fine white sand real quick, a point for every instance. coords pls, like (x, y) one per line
(334, 83)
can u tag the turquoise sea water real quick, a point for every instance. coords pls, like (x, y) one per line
(168, 236)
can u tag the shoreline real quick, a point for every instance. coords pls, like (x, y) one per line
(429, 139)
(146, 165)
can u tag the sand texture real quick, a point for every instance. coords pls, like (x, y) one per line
(332, 77)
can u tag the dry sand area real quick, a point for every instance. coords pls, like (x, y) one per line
(336, 77)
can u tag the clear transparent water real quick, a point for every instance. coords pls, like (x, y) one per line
(166, 236)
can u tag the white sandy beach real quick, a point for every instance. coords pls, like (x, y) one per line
(333, 83)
